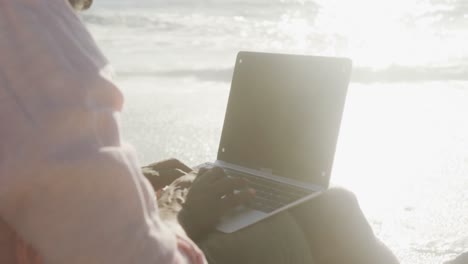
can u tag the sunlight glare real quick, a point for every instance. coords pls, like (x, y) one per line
(382, 33)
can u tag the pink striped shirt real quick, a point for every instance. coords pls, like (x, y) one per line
(68, 185)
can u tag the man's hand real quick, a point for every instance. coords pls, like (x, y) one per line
(162, 173)
(213, 193)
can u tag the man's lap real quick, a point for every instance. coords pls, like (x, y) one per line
(277, 239)
(331, 228)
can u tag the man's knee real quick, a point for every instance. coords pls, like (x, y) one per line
(340, 196)
(336, 206)
(340, 201)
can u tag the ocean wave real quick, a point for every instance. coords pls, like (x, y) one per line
(219, 75)
(391, 74)
(210, 2)
(411, 74)
(131, 21)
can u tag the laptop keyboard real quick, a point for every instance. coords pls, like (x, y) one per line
(270, 195)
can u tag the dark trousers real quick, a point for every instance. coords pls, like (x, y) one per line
(330, 229)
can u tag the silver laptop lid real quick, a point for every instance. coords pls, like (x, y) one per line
(284, 114)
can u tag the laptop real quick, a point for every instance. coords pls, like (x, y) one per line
(280, 130)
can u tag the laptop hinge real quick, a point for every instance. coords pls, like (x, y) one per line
(269, 175)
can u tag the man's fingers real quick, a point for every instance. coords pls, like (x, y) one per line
(237, 199)
(211, 175)
(226, 186)
(220, 174)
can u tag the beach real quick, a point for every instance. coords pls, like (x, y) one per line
(403, 145)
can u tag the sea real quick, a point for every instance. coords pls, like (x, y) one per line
(403, 145)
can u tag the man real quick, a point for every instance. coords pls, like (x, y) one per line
(72, 192)
(68, 186)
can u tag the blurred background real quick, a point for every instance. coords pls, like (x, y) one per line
(403, 147)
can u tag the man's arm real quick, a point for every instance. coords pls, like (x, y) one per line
(162, 173)
(67, 183)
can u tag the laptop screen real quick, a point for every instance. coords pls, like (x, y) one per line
(284, 114)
